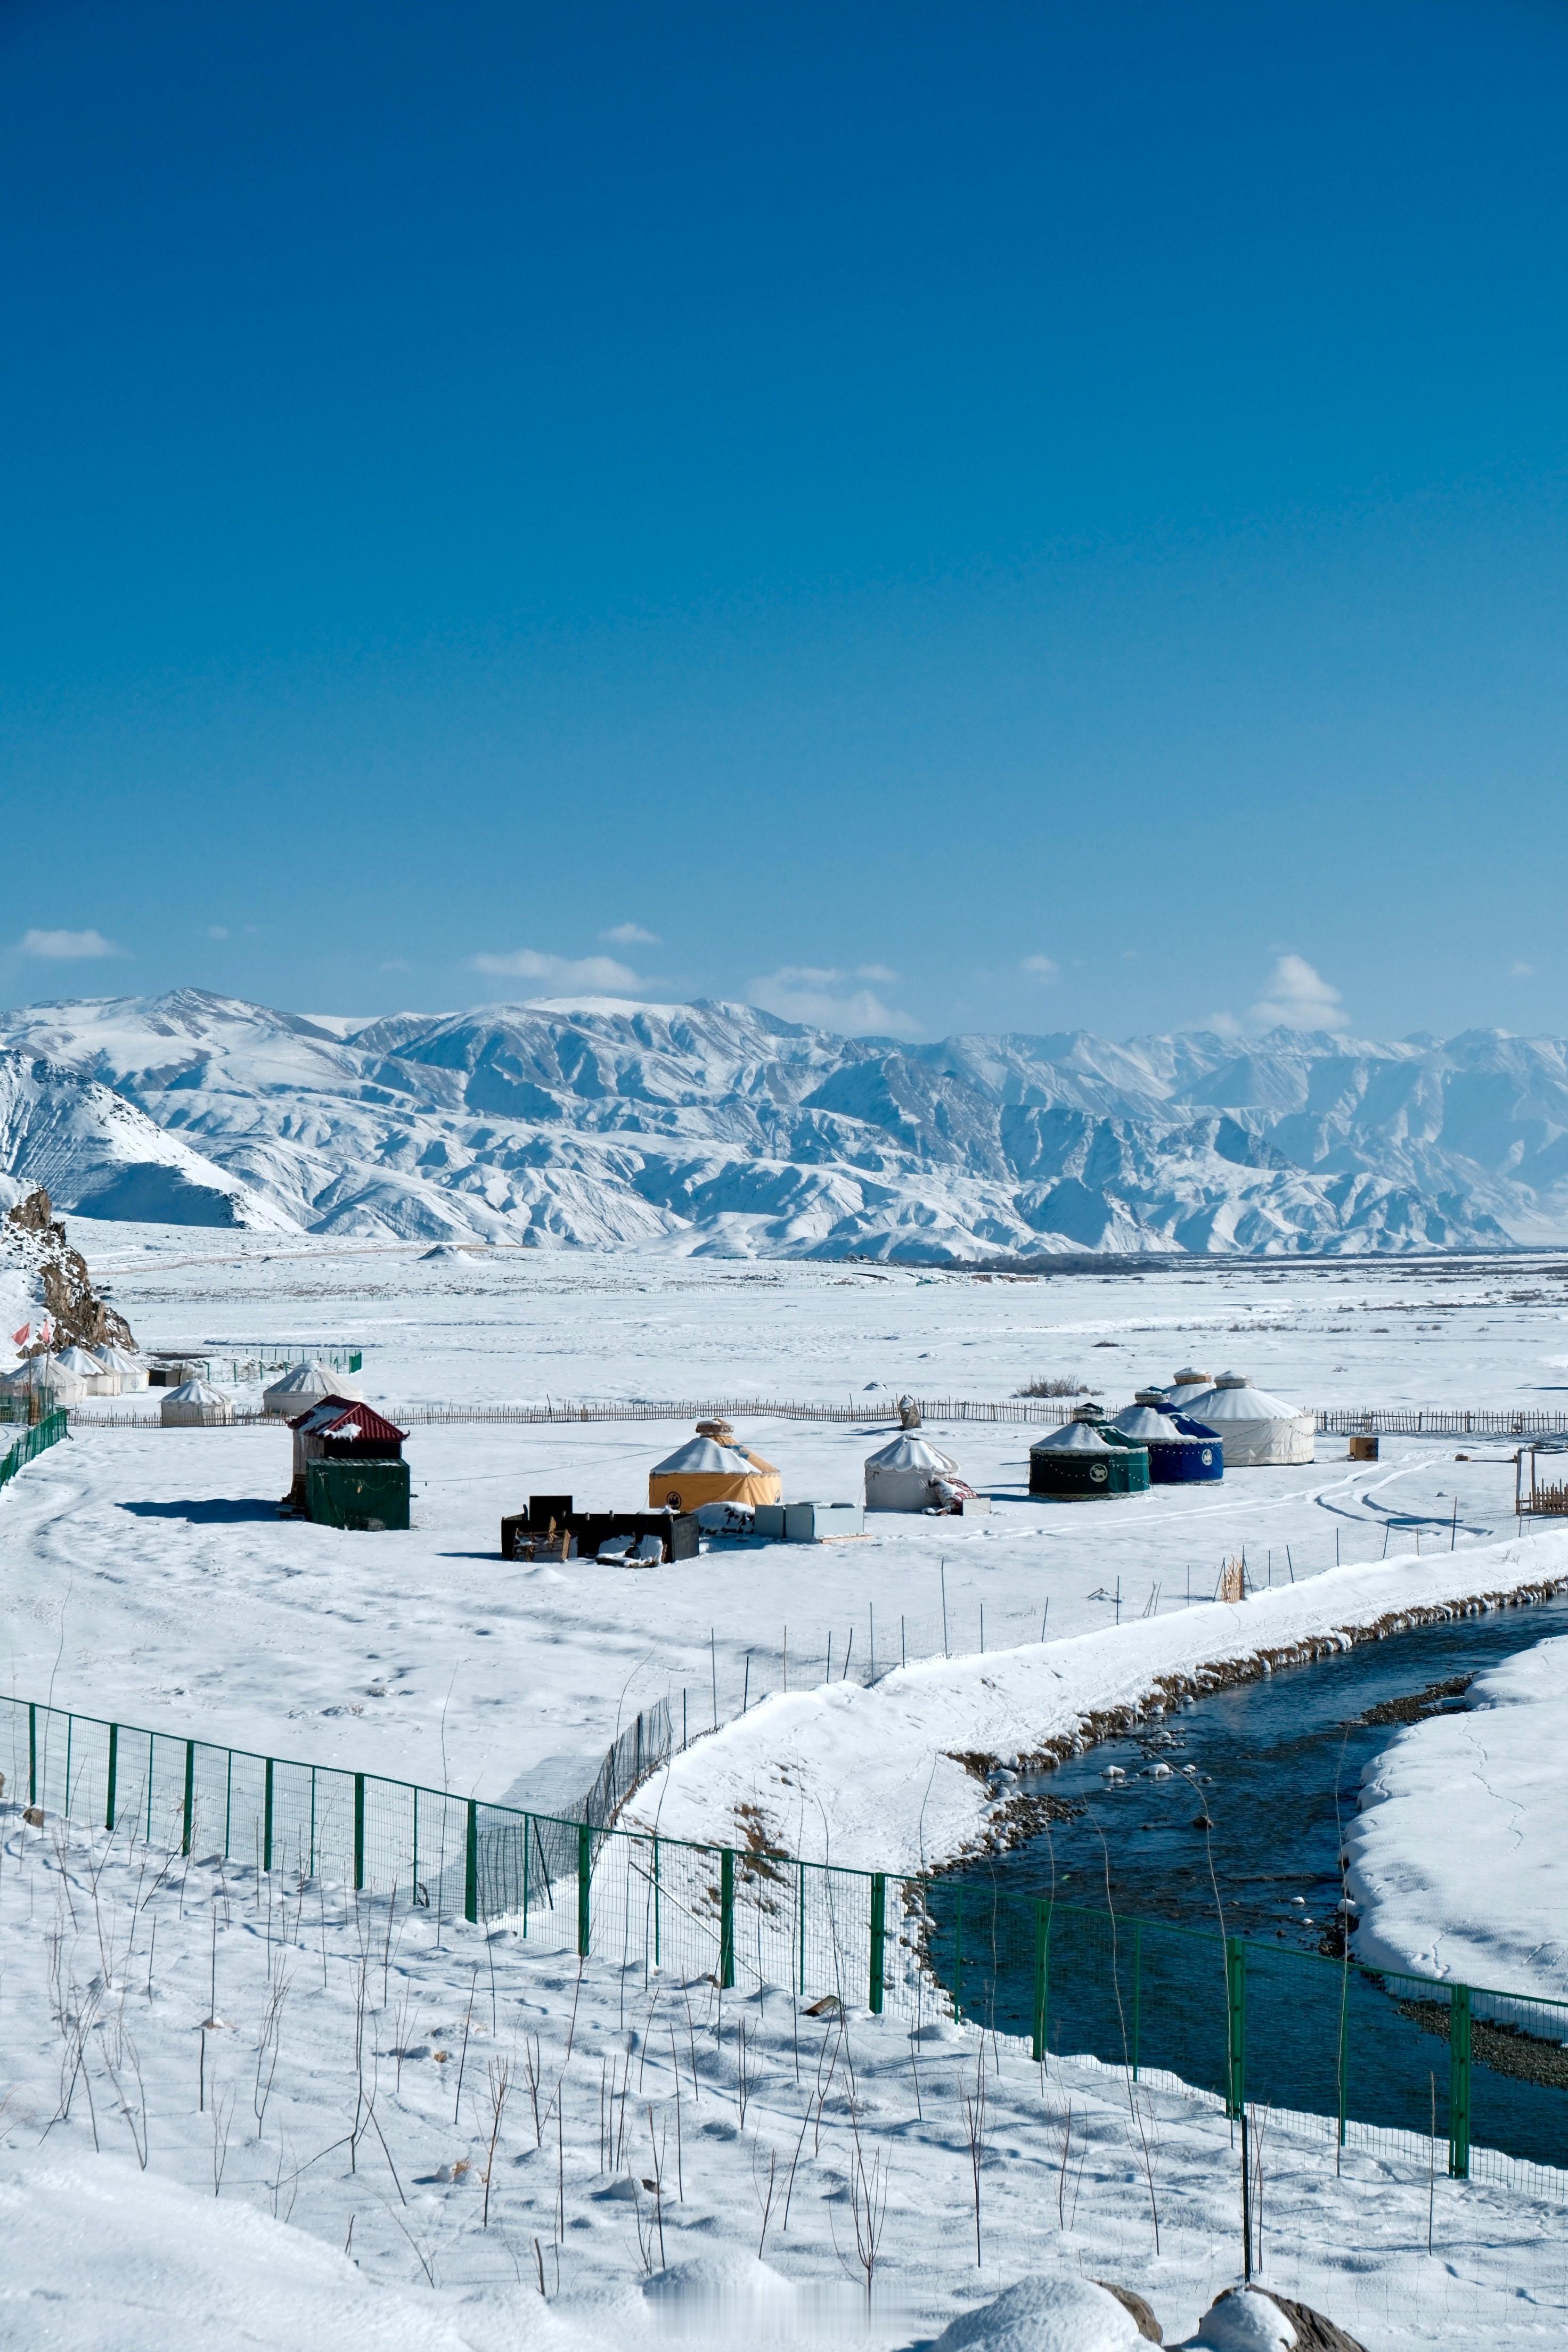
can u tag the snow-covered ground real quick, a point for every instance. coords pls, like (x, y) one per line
(871, 1778)
(421, 1656)
(147, 1577)
(1460, 1850)
(280, 2057)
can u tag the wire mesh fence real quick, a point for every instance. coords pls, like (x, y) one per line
(872, 1414)
(1374, 2058)
(35, 1440)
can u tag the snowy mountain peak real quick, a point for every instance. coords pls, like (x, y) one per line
(713, 1126)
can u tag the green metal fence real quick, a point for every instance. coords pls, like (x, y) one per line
(1370, 2058)
(35, 1440)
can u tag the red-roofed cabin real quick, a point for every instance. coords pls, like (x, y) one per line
(345, 1430)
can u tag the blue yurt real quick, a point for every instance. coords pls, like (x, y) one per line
(1181, 1453)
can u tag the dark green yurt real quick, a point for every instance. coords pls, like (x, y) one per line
(1086, 1461)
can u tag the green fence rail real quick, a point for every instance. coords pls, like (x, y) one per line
(1360, 2053)
(35, 1440)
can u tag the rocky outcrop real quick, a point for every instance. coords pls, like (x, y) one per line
(81, 1317)
(1255, 2319)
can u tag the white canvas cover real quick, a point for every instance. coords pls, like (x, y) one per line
(1259, 1431)
(43, 1373)
(1187, 1385)
(131, 1374)
(1146, 1427)
(705, 1456)
(1072, 1437)
(96, 1378)
(306, 1384)
(195, 1405)
(909, 1475)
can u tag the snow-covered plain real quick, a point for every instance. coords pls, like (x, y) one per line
(147, 1577)
(393, 1652)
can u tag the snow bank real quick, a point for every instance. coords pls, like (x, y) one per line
(894, 1777)
(1460, 1855)
(99, 2252)
(1044, 2315)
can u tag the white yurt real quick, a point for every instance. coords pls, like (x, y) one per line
(38, 1375)
(196, 1404)
(1257, 1428)
(1186, 1385)
(131, 1372)
(913, 1475)
(303, 1385)
(80, 1364)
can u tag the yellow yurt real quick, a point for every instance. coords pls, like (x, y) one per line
(711, 1468)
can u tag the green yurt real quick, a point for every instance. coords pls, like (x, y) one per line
(1085, 1462)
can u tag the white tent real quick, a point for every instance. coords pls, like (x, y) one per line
(95, 1376)
(911, 1474)
(1259, 1429)
(195, 1405)
(132, 1371)
(1184, 1388)
(41, 1373)
(304, 1385)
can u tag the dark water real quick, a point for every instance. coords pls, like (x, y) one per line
(1235, 1806)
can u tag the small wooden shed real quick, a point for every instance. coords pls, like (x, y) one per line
(349, 1469)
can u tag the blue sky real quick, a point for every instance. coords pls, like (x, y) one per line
(925, 518)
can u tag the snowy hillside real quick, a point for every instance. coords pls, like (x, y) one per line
(718, 1128)
(95, 1152)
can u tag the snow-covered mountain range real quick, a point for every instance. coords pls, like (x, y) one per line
(717, 1127)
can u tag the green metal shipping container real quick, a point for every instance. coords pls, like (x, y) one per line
(363, 1494)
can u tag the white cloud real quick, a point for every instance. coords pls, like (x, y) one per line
(601, 974)
(1038, 966)
(1518, 970)
(878, 972)
(811, 993)
(630, 935)
(66, 947)
(1222, 1024)
(217, 930)
(1298, 998)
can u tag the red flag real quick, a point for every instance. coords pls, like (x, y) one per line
(21, 1337)
(47, 1331)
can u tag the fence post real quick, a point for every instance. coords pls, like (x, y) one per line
(584, 1881)
(1042, 1979)
(359, 1830)
(267, 1817)
(471, 1865)
(32, 1751)
(1236, 2003)
(958, 1954)
(113, 1774)
(1137, 1988)
(726, 1917)
(1459, 2083)
(190, 1805)
(879, 1938)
